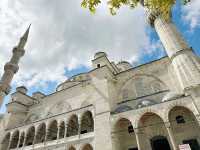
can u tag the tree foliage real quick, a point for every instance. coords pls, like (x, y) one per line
(162, 6)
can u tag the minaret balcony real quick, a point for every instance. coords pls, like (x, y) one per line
(18, 51)
(11, 66)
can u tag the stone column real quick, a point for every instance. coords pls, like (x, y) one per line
(171, 136)
(20, 136)
(25, 138)
(34, 139)
(66, 125)
(79, 125)
(102, 130)
(10, 140)
(102, 121)
(137, 132)
(47, 134)
(58, 132)
(198, 119)
(185, 63)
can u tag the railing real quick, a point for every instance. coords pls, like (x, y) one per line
(66, 140)
(49, 117)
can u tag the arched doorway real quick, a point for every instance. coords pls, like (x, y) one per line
(40, 135)
(30, 136)
(21, 141)
(14, 140)
(87, 147)
(62, 130)
(53, 130)
(184, 127)
(72, 126)
(87, 123)
(160, 143)
(154, 134)
(123, 136)
(5, 142)
(71, 148)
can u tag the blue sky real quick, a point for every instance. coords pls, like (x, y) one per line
(64, 38)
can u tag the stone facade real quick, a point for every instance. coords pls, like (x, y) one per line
(107, 108)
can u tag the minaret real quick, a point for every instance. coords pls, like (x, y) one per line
(185, 63)
(12, 67)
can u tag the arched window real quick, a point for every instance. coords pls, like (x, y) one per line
(72, 127)
(87, 147)
(21, 139)
(5, 142)
(53, 130)
(149, 123)
(71, 148)
(41, 132)
(14, 140)
(130, 129)
(159, 143)
(30, 136)
(183, 119)
(62, 130)
(123, 135)
(87, 123)
(180, 119)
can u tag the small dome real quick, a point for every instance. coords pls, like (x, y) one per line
(38, 95)
(74, 80)
(171, 95)
(145, 103)
(22, 89)
(99, 54)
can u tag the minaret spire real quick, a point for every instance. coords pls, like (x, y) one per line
(12, 67)
(24, 38)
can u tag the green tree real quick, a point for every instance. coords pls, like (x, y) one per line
(162, 6)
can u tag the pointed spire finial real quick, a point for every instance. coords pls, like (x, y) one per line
(24, 38)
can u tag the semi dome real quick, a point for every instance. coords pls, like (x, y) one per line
(74, 80)
(99, 54)
(38, 95)
(145, 103)
(66, 84)
(171, 95)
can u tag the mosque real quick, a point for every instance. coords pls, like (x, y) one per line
(114, 106)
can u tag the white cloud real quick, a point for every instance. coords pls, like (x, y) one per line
(191, 13)
(63, 35)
